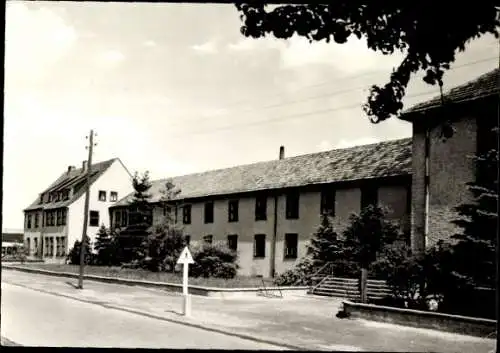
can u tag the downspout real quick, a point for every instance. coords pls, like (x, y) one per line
(41, 234)
(272, 264)
(426, 189)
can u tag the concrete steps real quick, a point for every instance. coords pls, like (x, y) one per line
(348, 288)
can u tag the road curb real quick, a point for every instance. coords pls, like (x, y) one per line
(172, 287)
(181, 322)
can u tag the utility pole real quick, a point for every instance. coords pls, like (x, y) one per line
(86, 209)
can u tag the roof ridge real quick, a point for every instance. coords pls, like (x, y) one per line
(479, 87)
(287, 158)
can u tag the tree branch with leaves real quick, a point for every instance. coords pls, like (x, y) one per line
(429, 34)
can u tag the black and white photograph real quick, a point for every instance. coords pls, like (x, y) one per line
(250, 176)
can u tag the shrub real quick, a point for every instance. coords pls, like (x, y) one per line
(74, 253)
(107, 249)
(299, 275)
(213, 260)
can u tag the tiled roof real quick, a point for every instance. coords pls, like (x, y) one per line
(361, 162)
(483, 86)
(68, 180)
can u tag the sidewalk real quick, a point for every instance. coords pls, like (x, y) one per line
(301, 322)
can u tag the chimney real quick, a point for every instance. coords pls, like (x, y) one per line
(70, 168)
(282, 152)
(84, 166)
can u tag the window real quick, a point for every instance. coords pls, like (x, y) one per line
(292, 205)
(41, 198)
(208, 239)
(118, 218)
(232, 242)
(53, 218)
(28, 221)
(60, 246)
(63, 216)
(261, 208)
(186, 214)
(51, 246)
(369, 196)
(187, 240)
(124, 217)
(291, 243)
(94, 219)
(328, 201)
(259, 245)
(49, 218)
(113, 196)
(66, 194)
(59, 217)
(46, 247)
(35, 245)
(102, 195)
(28, 245)
(50, 197)
(36, 220)
(233, 211)
(58, 241)
(209, 212)
(63, 247)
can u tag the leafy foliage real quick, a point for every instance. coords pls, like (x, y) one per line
(107, 248)
(74, 253)
(367, 235)
(166, 240)
(429, 34)
(214, 260)
(299, 275)
(475, 251)
(325, 246)
(140, 213)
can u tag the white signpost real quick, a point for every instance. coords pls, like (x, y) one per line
(185, 259)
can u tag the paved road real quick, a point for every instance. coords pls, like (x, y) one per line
(33, 318)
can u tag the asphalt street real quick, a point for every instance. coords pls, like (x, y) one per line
(32, 318)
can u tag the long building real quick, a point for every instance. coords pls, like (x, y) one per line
(268, 211)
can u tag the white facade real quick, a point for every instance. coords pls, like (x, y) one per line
(114, 179)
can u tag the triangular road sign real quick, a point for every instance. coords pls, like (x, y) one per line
(185, 257)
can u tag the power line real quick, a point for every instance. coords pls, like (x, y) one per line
(288, 117)
(315, 112)
(345, 78)
(328, 95)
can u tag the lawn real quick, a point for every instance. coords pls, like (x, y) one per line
(118, 272)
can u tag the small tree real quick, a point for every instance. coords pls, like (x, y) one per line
(324, 246)
(166, 240)
(104, 247)
(475, 251)
(74, 254)
(365, 237)
(131, 239)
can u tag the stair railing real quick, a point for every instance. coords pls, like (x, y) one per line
(320, 283)
(328, 264)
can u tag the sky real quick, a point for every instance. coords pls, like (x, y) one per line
(175, 89)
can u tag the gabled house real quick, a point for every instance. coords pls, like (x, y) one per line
(54, 221)
(445, 138)
(267, 211)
